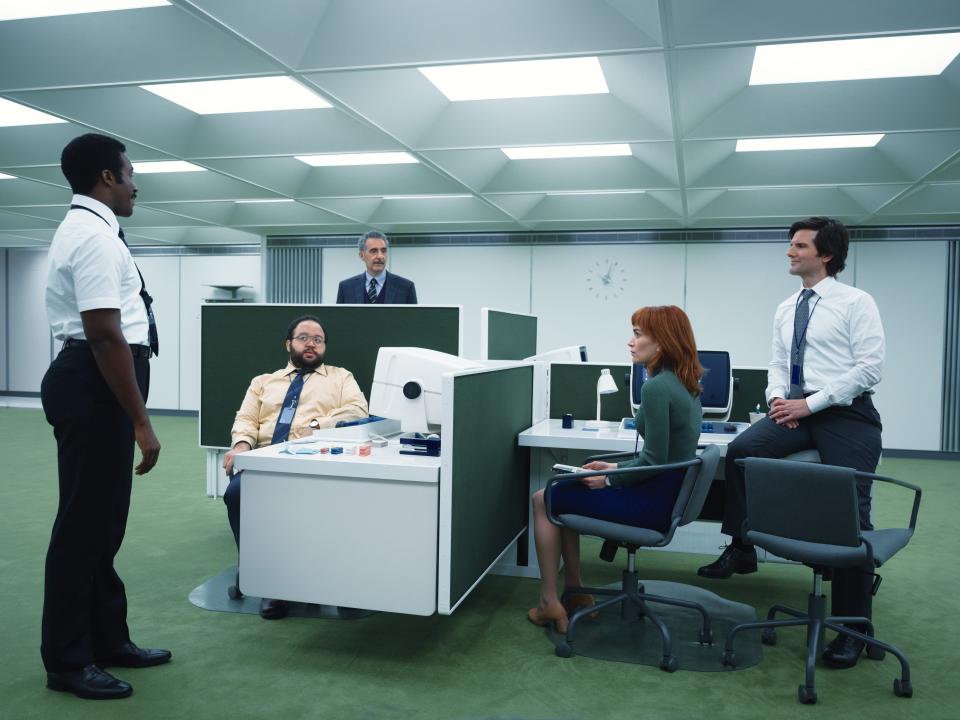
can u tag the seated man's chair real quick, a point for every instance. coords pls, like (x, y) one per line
(631, 596)
(808, 513)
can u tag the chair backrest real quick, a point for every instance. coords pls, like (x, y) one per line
(696, 485)
(802, 501)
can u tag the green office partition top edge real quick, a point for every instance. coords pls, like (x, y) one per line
(510, 336)
(239, 342)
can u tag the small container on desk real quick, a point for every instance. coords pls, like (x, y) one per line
(420, 444)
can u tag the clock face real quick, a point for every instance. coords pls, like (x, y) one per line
(606, 279)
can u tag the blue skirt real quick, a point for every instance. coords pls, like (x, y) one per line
(648, 504)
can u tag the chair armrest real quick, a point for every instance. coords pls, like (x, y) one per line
(569, 478)
(917, 492)
(612, 456)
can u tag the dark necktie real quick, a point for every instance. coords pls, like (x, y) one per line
(148, 304)
(800, 320)
(144, 295)
(372, 291)
(289, 408)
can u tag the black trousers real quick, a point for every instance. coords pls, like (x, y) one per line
(844, 436)
(84, 602)
(231, 497)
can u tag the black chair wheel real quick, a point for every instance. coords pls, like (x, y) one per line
(234, 593)
(768, 636)
(902, 688)
(876, 653)
(706, 636)
(669, 663)
(729, 658)
(807, 695)
(563, 650)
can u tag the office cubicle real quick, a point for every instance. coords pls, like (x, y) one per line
(507, 335)
(240, 341)
(573, 389)
(749, 389)
(484, 474)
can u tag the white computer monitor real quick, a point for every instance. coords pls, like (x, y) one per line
(717, 383)
(571, 353)
(408, 385)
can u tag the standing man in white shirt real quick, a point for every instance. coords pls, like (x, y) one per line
(93, 395)
(828, 349)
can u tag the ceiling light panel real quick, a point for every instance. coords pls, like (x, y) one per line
(543, 152)
(12, 113)
(21, 9)
(165, 166)
(379, 158)
(4, 176)
(212, 97)
(862, 59)
(818, 142)
(526, 78)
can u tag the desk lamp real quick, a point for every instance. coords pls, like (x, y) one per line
(605, 386)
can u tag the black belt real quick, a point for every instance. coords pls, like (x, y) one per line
(140, 352)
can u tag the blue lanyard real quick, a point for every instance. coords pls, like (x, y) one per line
(797, 343)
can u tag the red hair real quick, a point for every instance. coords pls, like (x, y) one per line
(670, 328)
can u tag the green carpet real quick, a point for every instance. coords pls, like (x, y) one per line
(485, 661)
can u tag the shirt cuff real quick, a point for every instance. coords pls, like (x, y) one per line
(818, 401)
(243, 438)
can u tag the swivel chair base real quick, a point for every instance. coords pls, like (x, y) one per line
(234, 592)
(817, 621)
(634, 604)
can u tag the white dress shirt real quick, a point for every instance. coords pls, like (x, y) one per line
(844, 346)
(89, 268)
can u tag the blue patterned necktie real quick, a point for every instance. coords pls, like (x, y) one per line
(289, 408)
(800, 319)
(372, 291)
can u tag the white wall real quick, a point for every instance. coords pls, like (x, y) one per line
(339, 264)
(29, 331)
(196, 272)
(908, 282)
(162, 276)
(732, 291)
(474, 277)
(570, 314)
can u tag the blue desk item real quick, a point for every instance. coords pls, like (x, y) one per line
(719, 428)
(359, 421)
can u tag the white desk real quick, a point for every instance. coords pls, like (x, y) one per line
(550, 443)
(343, 530)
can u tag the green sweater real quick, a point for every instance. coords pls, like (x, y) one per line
(669, 420)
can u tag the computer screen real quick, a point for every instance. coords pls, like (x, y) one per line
(716, 382)
(571, 353)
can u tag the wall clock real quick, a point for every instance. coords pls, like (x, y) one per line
(606, 279)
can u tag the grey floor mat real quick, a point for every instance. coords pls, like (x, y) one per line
(212, 595)
(608, 637)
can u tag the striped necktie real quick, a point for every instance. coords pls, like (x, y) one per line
(372, 291)
(800, 320)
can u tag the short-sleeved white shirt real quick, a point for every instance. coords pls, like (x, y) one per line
(90, 268)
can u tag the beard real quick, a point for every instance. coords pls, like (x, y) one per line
(298, 361)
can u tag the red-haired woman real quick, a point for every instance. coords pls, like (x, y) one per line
(669, 420)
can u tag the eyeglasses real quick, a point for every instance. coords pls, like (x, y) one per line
(315, 339)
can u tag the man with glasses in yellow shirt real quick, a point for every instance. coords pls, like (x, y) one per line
(292, 402)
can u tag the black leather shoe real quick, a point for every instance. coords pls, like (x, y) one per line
(843, 652)
(733, 560)
(131, 656)
(273, 609)
(90, 683)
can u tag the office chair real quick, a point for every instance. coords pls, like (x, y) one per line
(809, 513)
(631, 595)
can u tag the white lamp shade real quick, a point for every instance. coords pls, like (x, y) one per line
(605, 383)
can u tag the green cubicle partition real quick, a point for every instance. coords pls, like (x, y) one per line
(238, 342)
(750, 385)
(573, 389)
(506, 335)
(484, 475)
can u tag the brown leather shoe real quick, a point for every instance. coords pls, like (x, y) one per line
(554, 613)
